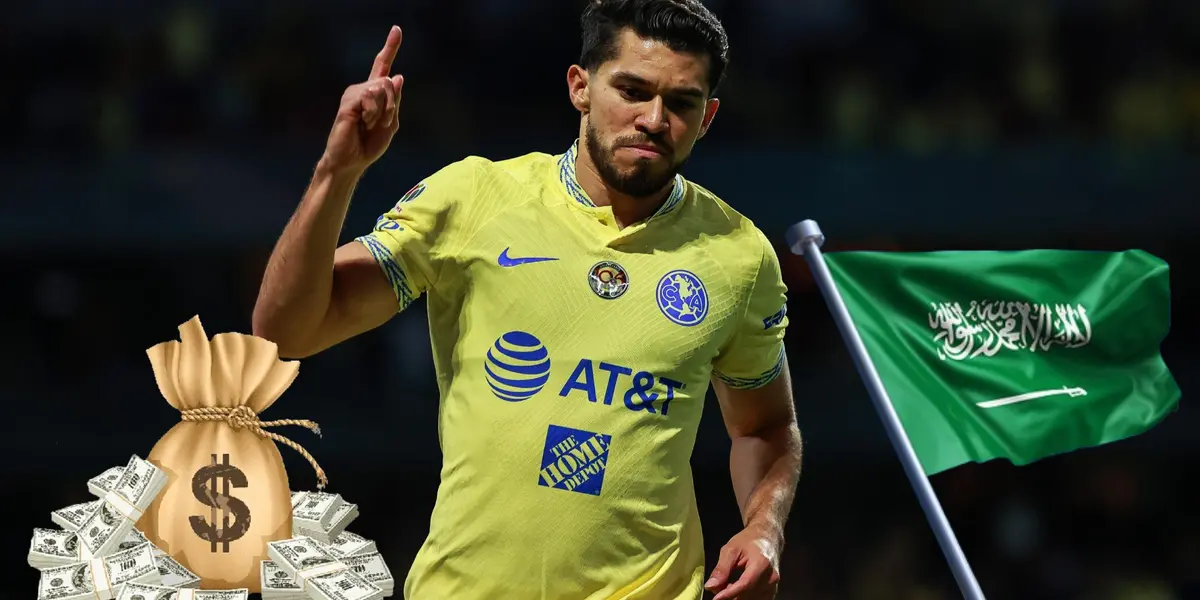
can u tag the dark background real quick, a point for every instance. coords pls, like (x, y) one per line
(152, 153)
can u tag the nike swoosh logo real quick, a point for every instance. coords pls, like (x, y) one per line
(505, 260)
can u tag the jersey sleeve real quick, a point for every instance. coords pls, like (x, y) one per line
(413, 240)
(753, 356)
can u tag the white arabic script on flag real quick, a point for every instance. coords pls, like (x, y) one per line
(986, 327)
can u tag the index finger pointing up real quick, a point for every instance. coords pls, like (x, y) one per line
(383, 60)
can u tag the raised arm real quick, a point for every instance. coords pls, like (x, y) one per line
(315, 294)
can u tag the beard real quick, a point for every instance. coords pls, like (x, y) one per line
(639, 182)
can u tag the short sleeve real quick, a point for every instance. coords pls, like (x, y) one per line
(753, 356)
(412, 241)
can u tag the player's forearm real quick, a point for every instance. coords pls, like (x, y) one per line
(297, 286)
(765, 471)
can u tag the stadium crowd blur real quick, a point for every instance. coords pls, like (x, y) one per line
(152, 152)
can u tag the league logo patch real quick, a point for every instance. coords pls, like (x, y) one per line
(682, 298)
(517, 366)
(412, 194)
(574, 460)
(608, 279)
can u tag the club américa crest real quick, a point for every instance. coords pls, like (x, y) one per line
(682, 297)
(608, 279)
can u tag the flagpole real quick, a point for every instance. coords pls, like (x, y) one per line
(805, 239)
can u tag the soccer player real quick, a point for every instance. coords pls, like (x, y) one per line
(580, 304)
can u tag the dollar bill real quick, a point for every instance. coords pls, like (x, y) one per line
(72, 517)
(174, 574)
(350, 544)
(277, 584)
(319, 574)
(372, 567)
(138, 480)
(99, 578)
(342, 585)
(121, 506)
(343, 516)
(134, 538)
(299, 554)
(102, 483)
(314, 510)
(142, 591)
(104, 528)
(53, 547)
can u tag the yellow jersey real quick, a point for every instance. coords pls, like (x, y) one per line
(573, 358)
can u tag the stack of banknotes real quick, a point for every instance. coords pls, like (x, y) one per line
(323, 561)
(52, 548)
(99, 554)
(142, 591)
(303, 568)
(321, 516)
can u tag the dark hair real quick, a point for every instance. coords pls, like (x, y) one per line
(683, 25)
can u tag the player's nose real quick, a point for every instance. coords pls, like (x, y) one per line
(653, 119)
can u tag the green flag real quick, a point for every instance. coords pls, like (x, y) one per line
(1017, 355)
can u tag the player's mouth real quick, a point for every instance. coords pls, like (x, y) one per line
(645, 150)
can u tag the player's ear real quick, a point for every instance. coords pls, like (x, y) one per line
(710, 113)
(577, 87)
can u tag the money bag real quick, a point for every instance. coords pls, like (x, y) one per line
(227, 494)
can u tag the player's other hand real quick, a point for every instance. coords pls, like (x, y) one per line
(747, 568)
(367, 114)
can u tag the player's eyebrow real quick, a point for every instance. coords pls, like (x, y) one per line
(686, 92)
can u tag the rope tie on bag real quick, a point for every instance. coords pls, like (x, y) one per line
(240, 417)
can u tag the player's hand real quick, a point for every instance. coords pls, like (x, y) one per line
(367, 116)
(747, 568)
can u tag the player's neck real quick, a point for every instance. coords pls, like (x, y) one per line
(627, 209)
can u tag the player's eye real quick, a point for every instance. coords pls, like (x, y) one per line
(681, 105)
(633, 94)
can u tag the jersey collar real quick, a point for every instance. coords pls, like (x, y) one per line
(566, 175)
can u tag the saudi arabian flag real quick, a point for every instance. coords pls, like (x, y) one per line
(1017, 355)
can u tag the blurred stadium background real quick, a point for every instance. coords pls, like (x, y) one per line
(153, 152)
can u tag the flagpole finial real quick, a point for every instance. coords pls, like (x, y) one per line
(801, 233)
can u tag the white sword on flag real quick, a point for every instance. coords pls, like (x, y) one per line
(805, 238)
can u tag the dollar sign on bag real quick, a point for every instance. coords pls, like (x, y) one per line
(224, 506)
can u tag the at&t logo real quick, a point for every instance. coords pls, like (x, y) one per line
(517, 366)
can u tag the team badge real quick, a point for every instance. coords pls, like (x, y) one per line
(608, 279)
(682, 298)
